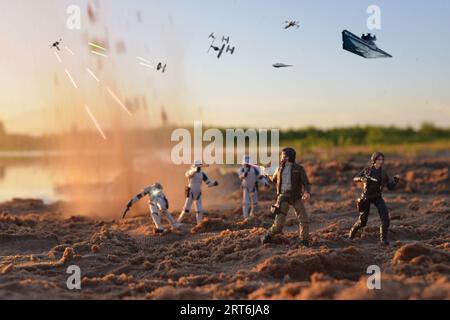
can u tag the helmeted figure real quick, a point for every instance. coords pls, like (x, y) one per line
(193, 191)
(374, 179)
(250, 177)
(158, 204)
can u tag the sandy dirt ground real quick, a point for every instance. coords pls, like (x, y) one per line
(223, 257)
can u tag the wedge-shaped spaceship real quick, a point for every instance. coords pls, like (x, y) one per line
(364, 46)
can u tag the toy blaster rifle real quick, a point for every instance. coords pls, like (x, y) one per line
(369, 178)
(126, 210)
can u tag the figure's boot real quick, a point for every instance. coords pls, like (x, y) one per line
(157, 221)
(267, 238)
(245, 212)
(304, 243)
(175, 225)
(199, 217)
(354, 230)
(304, 233)
(384, 235)
(253, 210)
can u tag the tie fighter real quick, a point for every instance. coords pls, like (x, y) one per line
(161, 67)
(219, 49)
(230, 49)
(56, 44)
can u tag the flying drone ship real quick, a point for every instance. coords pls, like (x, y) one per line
(281, 65)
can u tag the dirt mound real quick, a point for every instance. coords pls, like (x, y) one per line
(346, 263)
(171, 293)
(323, 287)
(20, 206)
(417, 259)
(417, 251)
(211, 225)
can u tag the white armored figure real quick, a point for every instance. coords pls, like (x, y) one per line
(250, 177)
(194, 191)
(158, 205)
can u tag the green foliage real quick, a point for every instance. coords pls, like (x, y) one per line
(365, 136)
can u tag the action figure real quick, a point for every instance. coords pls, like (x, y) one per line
(374, 179)
(158, 204)
(194, 191)
(293, 189)
(250, 177)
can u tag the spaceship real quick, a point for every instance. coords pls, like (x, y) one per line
(230, 49)
(281, 65)
(364, 46)
(56, 44)
(290, 24)
(161, 67)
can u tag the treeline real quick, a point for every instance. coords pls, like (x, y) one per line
(367, 135)
(307, 137)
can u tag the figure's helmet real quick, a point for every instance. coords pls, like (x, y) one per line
(375, 156)
(246, 159)
(157, 185)
(290, 153)
(197, 164)
(154, 189)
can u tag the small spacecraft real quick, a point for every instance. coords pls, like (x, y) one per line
(161, 67)
(290, 24)
(281, 65)
(56, 44)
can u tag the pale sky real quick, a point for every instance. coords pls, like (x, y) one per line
(327, 87)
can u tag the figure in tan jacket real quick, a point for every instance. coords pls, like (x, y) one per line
(293, 189)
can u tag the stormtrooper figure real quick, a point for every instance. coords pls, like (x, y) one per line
(194, 191)
(250, 177)
(158, 204)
